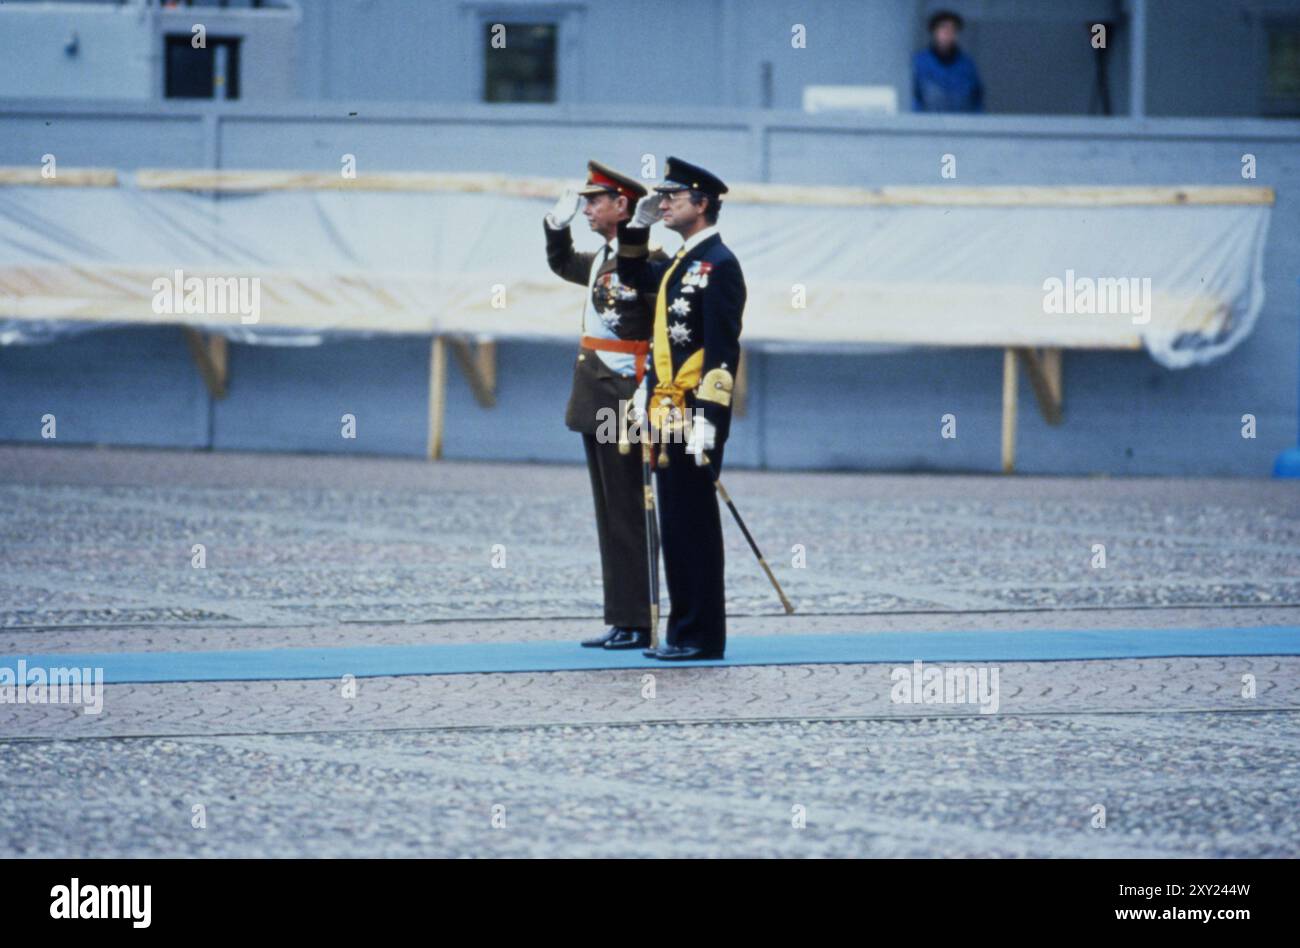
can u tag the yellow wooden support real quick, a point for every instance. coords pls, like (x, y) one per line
(740, 392)
(25, 175)
(1009, 381)
(250, 180)
(479, 365)
(1044, 370)
(437, 396)
(210, 354)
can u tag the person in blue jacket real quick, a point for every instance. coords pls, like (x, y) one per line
(944, 78)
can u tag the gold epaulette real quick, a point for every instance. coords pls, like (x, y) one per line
(716, 387)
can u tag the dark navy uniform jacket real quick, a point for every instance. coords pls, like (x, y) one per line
(705, 300)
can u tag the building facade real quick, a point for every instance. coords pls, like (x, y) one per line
(407, 85)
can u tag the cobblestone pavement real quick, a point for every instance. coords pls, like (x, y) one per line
(1152, 686)
(94, 538)
(1181, 756)
(1176, 785)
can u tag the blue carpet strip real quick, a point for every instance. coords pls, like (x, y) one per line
(840, 648)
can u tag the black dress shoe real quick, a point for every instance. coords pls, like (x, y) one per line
(600, 640)
(681, 653)
(628, 638)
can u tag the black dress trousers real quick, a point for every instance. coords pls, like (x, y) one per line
(620, 526)
(690, 527)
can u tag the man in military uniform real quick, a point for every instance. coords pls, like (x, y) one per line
(695, 351)
(616, 321)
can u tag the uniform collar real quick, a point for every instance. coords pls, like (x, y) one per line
(699, 237)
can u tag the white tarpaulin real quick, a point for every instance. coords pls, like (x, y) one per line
(1085, 268)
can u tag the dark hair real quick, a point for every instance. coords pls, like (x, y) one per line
(715, 204)
(945, 16)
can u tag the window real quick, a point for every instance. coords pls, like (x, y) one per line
(1282, 68)
(519, 62)
(208, 73)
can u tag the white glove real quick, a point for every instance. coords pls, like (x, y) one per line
(638, 401)
(647, 210)
(565, 209)
(703, 438)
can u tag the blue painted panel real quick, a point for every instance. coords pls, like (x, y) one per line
(883, 412)
(294, 399)
(121, 386)
(527, 422)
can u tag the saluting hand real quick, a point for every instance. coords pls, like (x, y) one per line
(565, 209)
(647, 211)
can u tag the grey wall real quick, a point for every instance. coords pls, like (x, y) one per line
(669, 52)
(1205, 57)
(1124, 414)
(119, 48)
(115, 46)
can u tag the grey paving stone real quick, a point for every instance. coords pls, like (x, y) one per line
(1014, 786)
(96, 548)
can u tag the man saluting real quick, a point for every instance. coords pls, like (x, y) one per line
(695, 351)
(611, 361)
